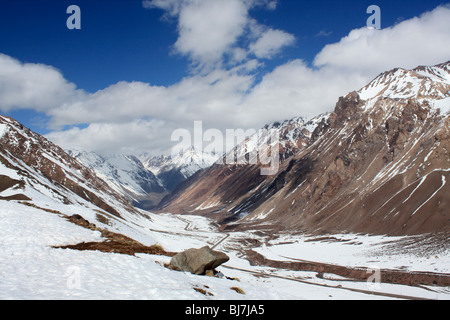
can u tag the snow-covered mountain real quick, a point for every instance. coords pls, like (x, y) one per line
(379, 163)
(171, 171)
(293, 136)
(144, 180)
(33, 168)
(431, 84)
(126, 175)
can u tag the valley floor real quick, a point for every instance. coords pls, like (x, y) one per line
(31, 268)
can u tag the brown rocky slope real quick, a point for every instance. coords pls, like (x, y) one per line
(46, 168)
(379, 163)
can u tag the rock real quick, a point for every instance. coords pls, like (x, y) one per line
(209, 273)
(79, 220)
(198, 261)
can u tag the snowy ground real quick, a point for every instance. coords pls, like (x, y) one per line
(31, 269)
(353, 250)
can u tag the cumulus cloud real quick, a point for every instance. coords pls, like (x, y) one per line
(130, 137)
(271, 42)
(207, 29)
(211, 30)
(295, 89)
(212, 97)
(422, 40)
(33, 86)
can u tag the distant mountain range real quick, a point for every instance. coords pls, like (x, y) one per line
(144, 180)
(171, 171)
(126, 175)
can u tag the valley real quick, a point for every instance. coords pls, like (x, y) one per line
(357, 210)
(42, 271)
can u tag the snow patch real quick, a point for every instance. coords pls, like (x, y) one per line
(443, 104)
(4, 171)
(435, 193)
(3, 129)
(351, 250)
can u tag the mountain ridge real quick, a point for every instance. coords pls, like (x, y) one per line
(395, 141)
(126, 175)
(35, 168)
(172, 170)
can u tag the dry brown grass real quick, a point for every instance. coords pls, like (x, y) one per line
(238, 290)
(203, 291)
(115, 246)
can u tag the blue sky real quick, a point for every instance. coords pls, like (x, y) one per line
(122, 41)
(126, 46)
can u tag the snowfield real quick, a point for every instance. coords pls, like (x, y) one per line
(31, 269)
(354, 250)
(3, 128)
(443, 105)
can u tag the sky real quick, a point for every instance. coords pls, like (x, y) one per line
(137, 70)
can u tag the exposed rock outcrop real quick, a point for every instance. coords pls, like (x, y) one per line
(198, 261)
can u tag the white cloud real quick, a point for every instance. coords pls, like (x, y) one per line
(117, 103)
(422, 40)
(211, 97)
(209, 31)
(209, 28)
(34, 86)
(127, 137)
(294, 89)
(270, 43)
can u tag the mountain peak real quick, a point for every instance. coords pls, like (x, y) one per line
(422, 83)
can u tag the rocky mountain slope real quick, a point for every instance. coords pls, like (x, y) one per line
(126, 175)
(171, 171)
(33, 168)
(379, 163)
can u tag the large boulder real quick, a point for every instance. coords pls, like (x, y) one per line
(198, 261)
